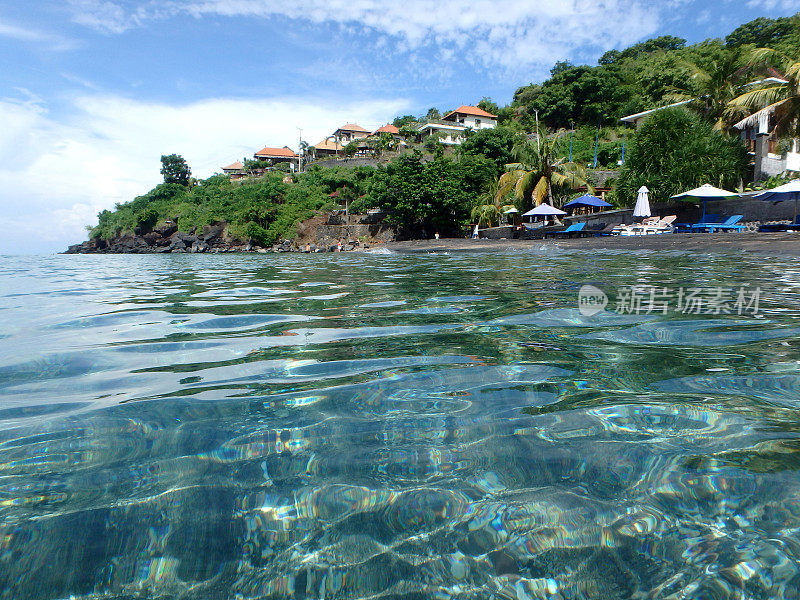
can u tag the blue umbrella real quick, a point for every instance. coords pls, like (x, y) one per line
(787, 191)
(587, 200)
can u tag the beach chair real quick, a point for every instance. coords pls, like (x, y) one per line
(729, 224)
(708, 219)
(660, 226)
(574, 229)
(777, 227)
(607, 230)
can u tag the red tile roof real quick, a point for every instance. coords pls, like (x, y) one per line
(284, 152)
(352, 127)
(234, 166)
(470, 110)
(327, 144)
(388, 128)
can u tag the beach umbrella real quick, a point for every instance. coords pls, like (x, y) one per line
(787, 191)
(642, 208)
(544, 210)
(587, 200)
(703, 193)
(511, 211)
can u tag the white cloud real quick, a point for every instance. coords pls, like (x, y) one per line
(773, 4)
(512, 35)
(56, 175)
(43, 39)
(106, 16)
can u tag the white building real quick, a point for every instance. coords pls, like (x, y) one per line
(453, 125)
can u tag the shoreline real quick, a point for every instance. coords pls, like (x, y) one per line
(768, 243)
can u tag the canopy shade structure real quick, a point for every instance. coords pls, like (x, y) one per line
(544, 210)
(703, 193)
(787, 191)
(511, 211)
(642, 208)
(587, 200)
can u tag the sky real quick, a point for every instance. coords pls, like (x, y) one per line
(93, 92)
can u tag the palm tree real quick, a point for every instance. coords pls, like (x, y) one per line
(712, 88)
(782, 100)
(490, 207)
(538, 171)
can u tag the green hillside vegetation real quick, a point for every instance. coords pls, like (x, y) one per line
(431, 188)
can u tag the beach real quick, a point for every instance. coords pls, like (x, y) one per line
(787, 244)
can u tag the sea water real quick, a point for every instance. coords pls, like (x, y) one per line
(400, 426)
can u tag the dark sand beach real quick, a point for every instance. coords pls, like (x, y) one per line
(766, 243)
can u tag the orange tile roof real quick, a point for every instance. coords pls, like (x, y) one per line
(327, 144)
(470, 110)
(388, 128)
(281, 152)
(233, 166)
(352, 127)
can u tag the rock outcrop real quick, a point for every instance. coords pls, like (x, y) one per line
(320, 234)
(165, 238)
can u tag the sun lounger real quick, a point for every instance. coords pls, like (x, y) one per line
(651, 226)
(729, 224)
(572, 229)
(607, 230)
(776, 227)
(708, 219)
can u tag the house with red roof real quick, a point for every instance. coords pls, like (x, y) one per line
(273, 156)
(472, 116)
(235, 170)
(349, 132)
(453, 126)
(388, 128)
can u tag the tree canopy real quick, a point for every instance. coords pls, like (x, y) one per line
(175, 169)
(676, 150)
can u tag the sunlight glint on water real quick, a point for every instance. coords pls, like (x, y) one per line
(395, 426)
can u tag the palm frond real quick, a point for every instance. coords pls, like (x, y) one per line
(540, 191)
(770, 56)
(755, 99)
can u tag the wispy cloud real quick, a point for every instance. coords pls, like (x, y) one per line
(57, 174)
(516, 34)
(108, 17)
(35, 36)
(773, 4)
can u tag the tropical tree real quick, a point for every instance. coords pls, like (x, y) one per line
(539, 171)
(490, 206)
(781, 100)
(175, 169)
(712, 87)
(675, 150)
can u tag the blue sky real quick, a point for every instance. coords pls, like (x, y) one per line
(92, 92)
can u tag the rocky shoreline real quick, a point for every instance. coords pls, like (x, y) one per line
(166, 239)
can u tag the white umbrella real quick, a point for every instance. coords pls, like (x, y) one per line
(703, 193)
(543, 210)
(642, 208)
(511, 211)
(787, 191)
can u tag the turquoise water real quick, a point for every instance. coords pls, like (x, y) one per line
(395, 426)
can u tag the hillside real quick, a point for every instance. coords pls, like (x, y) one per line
(430, 188)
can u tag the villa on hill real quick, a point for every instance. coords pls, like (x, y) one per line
(235, 170)
(327, 147)
(349, 132)
(452, 126)
(273, 156)
(388, 128)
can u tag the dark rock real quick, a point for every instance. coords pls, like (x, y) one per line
(212, 232)
(167, 229)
